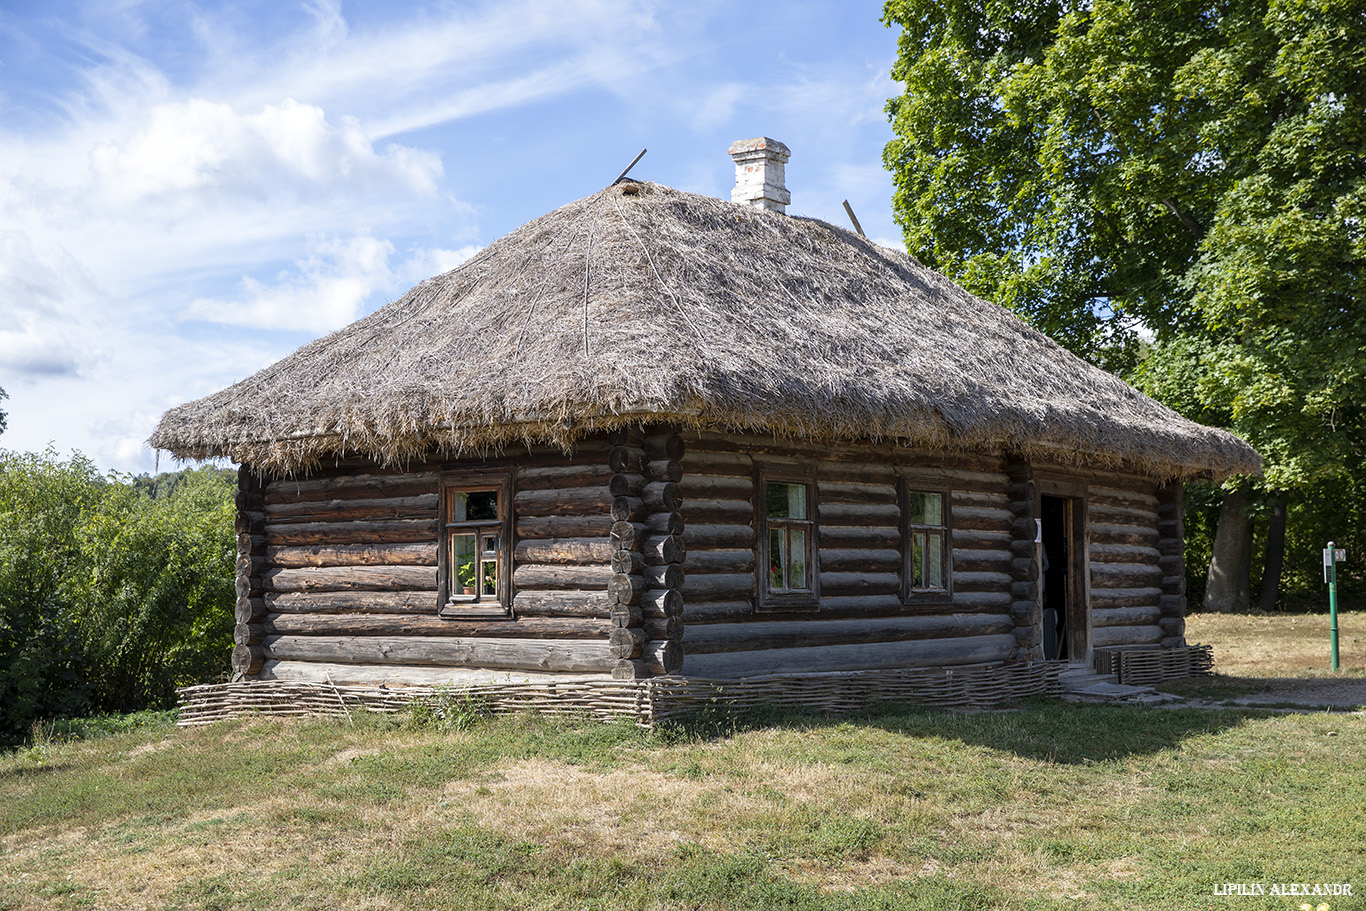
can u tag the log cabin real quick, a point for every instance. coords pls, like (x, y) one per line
(656, 434)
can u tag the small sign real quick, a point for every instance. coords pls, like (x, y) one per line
(1332, 556)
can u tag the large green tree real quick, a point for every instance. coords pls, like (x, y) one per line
(1175, 189)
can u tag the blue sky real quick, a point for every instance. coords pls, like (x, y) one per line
(191, 190)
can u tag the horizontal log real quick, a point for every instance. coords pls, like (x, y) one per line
(1172, 605)
(250, 610)
(1122, 534)
(1124, 597)
(664, 656)
(1126, 616)
(419, 507)
(1124, 553)
(248, 543)
(762, 635)
(561, 477)
(561, 604)
(847, 560)
(716, 612)
(1172, 626)
(1124, 575)
(401, 602)
(720, 561)
(836, 492)
(626, 484)
(661, 549)
(626, 459)
(571, 501)
(983, 518)
(976, 539)
(717, 464)
(669, 575)
(1115, 496)
(717, 586)
(392, 675)
(663, 446)
(631, 669)
(624, 589)
(565, 526)
(560, 577)
(1110, 636)
(860, 514)
(625, 643)
(353, 555)
(985, 601)
(717, 537)
(249, 633)
(694, 486)
(664, 470)
(666, 628)
(662, 496)
(432, 625)
(567, 655)
(1171, 529)
(969, 561)
(910, 653)
(981, 582)
(980, 499)
(625, 616)
(631, 562)
(855, 536)
(350, 487)
(1024, 569)
(859, 583)
(629, 509)
(352, 578)
(665, 523)
(248, 586)
(661, 603)
(1024, 590)
(718, 512)
(247, 660)
(1122, 515)
(1174, 585)
(837, 606)
(378, 531)
(627, 535)
(581, 551)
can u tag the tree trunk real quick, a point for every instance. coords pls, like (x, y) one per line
(1275, 554)
(1228, 588)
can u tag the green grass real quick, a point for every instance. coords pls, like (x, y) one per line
(1043, 806)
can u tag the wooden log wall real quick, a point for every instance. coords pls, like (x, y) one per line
(1026, 606)
(1126, 571)
(861, 620)
(340, 571)
(1171, 537)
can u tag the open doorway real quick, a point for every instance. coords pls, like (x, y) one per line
(1064, 623)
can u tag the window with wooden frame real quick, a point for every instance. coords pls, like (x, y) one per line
(926, 542)
(475, 562)
(787, 541)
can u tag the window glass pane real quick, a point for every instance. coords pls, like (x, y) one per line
(918, 560)
(797, 566)
(934, 561)
(489, 575)
(924, 508)
(463, 564)
(474, 506)
(785, 501)
(490, 545)
(777, 559)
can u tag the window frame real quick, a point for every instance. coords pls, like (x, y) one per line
(790, 599)
(930, 596)
(451, 606)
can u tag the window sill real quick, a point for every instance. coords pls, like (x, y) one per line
(470, 610)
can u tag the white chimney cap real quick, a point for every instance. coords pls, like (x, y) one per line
(759, 173)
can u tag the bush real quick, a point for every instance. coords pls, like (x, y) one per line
(113, 591)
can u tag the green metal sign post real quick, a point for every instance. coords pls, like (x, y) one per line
(1332, 556)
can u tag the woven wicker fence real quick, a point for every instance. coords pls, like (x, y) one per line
(647, 701)
(1139, 666)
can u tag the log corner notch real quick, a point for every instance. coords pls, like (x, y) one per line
(1171, 538)
(648, 575)
(1026, 608)
(249, 653)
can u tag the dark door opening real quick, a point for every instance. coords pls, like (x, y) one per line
(1059, 613)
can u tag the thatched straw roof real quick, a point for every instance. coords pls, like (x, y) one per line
(643, 303)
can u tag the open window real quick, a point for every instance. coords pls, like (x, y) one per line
(927, 544)
(787, 540)
(476, 558)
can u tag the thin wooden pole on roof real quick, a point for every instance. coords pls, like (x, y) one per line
(630, 166)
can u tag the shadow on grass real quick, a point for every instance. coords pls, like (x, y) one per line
(1035, 729)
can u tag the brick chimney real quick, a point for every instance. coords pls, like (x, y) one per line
(759, 177)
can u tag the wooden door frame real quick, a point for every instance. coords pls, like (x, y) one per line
(1076, 527)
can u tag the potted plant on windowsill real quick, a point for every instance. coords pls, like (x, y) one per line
(465, 576)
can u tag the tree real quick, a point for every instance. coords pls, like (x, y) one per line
(3, 416)
(1174, 189)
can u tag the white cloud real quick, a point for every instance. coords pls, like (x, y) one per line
(325, 291)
